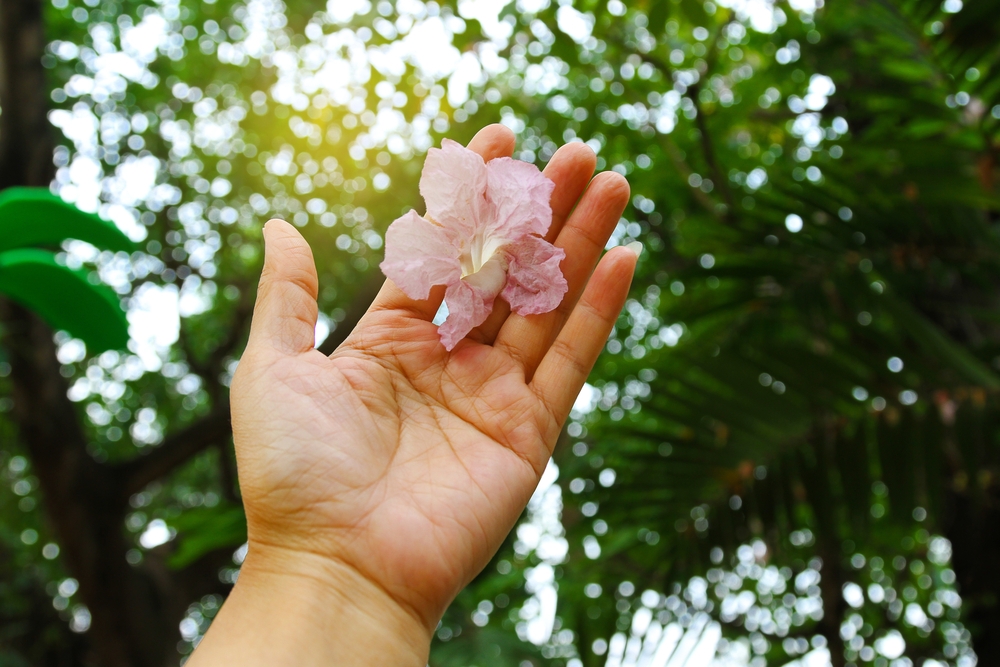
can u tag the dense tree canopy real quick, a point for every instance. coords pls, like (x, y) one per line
(789, 449)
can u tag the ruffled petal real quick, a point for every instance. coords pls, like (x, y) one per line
(453, 185)
(419, 255)
(520, 195)
(470, 300)
(535, 283)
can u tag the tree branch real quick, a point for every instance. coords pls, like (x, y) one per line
(228, 473)
(175, 450)
(215, 428)
(210, 369)
(707, 145)
(681, 165)
(355, 311)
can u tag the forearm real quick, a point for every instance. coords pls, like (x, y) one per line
(293, 609)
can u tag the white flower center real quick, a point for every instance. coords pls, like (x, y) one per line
(481, 249)
(491, 276)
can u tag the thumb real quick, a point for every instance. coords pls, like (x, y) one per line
(284, 317)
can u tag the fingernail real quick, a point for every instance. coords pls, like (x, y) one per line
(635, 247)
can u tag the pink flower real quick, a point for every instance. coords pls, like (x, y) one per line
(481, 237)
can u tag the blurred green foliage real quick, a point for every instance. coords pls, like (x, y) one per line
(799, 401)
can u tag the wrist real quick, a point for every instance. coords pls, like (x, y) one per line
(296, 608)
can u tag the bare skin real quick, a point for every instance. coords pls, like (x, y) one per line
(380, 480)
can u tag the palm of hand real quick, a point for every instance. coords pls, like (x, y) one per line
(444, 453)
(405, 462)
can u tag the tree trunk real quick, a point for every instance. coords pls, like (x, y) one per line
(132, 623)
(815, 475)
(973, 526)
(25, 133)
(134, 610)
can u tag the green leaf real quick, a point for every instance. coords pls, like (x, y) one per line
(36, 217)
(204, 529)
(658, 14)
(64, 298)
(936, 343)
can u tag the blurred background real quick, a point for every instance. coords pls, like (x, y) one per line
(788, 454)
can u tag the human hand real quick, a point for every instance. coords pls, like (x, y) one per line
(393, 468)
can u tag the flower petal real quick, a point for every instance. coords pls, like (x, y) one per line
(470, 301)
(520, 194)
(535, 283)
(453, 185)
(419, 255)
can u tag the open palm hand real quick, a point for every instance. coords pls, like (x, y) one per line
(393, 458)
